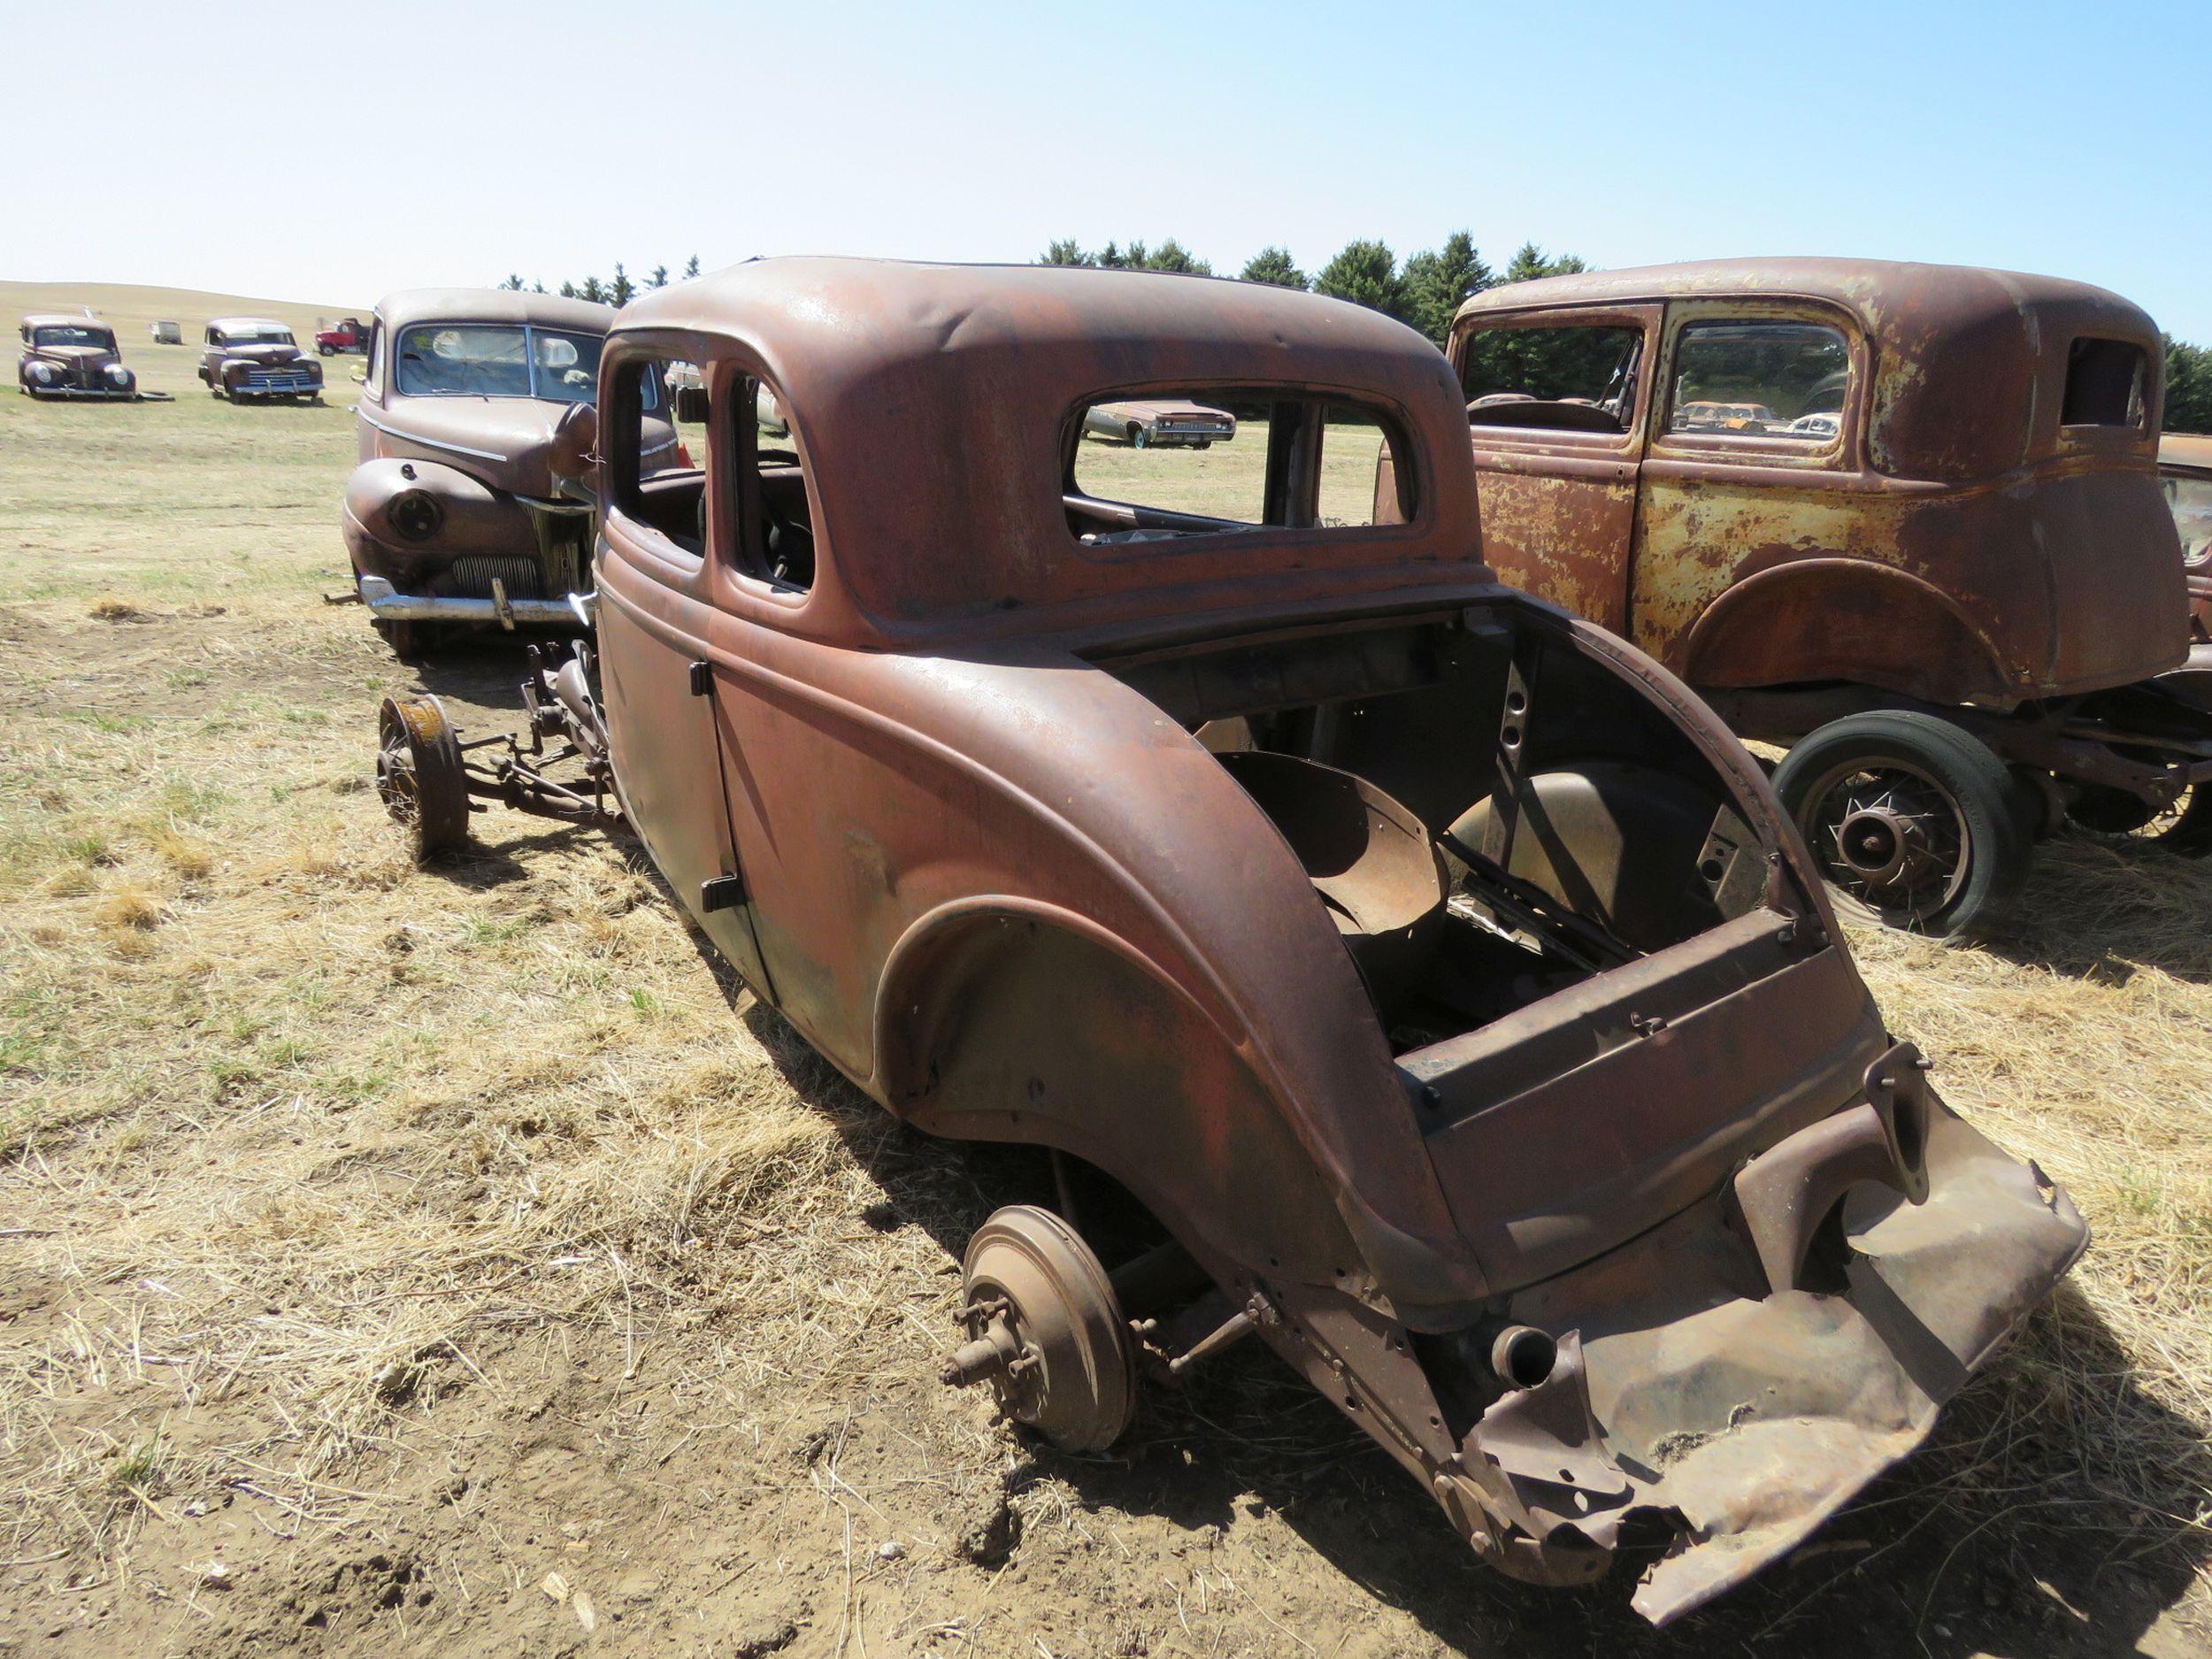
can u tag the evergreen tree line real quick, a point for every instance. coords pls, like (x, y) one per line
(618, 290)
(2188, 386)
(1424, 290)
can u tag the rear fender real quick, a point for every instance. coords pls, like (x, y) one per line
(1848, 619)
(1010, 1021)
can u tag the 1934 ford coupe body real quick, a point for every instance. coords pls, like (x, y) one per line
(453, 519)
(1434, 971)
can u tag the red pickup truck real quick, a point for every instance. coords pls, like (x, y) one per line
(350, 334)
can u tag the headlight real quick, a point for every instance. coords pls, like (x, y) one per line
(42, 373)
(121, 375)
(415, 514)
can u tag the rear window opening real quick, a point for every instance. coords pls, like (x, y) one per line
(2105, 381)
(1487, 815)
(1161, 466)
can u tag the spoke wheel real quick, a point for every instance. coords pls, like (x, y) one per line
(2184, 825)
(1910, 818)
(1046, 1330)
(420, 775)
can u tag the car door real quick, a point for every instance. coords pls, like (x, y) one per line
(655, 619)
(1556, 405)
(1721, 492)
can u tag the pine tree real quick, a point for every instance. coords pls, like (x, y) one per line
(691, 267)
(568, 290)
(2188, 386)
(513, 285)
(1438, 281)
(1274, 267)
(621, 291)
(594, 290)
(657, 278)
(1067, 252)
(1366, 274)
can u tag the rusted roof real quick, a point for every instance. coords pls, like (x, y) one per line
(233, 325)
(49, 320)
(934, 403)
(492, 305)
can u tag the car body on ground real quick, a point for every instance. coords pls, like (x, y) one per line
(69, 355)
(1396, 968)
(255, 359)
(1145, 423)
(1936, 562)
(2185, 476)
(167, 333)
(452, 517)
(350, 334)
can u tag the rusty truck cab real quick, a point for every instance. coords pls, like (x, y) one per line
(1943, 505)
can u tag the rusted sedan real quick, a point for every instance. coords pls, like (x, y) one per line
(1934, 562)
(1395, 968)
(453, 518)
(249, 360)
(2184, 477)
(71, 356)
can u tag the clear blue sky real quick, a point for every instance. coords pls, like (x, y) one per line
(455, 142)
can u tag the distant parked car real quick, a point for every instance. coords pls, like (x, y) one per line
(1169, 423)
(350, 334)
(1824, 424)
(71, 357)
(166, 333)
(453, 518)
(252, 356)
(2184, 477)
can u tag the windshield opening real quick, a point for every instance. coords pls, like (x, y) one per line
(500, 360)
(72, 335)
(268, 336)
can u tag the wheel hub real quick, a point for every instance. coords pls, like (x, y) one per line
(1046, 1330)
(1884, 847)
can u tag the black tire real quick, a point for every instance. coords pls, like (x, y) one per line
(1137, 439)
(2185, 827)
(419, 774)
(411, 641)
(328, 351)
(1935, 845)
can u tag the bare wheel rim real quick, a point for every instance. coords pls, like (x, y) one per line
(396, 781)
(1889, 836)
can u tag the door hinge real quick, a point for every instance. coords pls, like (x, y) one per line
(721, 892)
(702, 677)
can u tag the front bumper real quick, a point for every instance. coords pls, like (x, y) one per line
(88, 393)
(387, 601)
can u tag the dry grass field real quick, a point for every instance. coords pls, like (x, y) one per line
(454, 1261)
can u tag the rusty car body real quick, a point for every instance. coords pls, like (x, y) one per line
(453, 518)
(1144, 422)
(1940, 570)
(248, 359)
(68, 355)
(2184, 477)
(1435, 976)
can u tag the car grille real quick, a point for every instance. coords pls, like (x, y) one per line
(279, 380)
(472, 576)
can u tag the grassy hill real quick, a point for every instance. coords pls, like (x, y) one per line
(129, 308)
